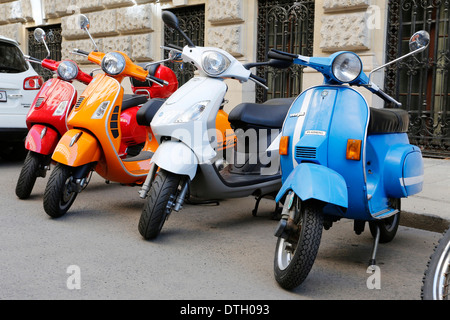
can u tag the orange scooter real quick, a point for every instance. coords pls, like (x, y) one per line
(96, 137)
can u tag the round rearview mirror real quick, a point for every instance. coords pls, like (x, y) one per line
(419, 40)
(84, 22)
(170, 20)
(39, 35)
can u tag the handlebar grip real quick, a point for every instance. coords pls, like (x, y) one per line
(175, 47)
(161, 82)
(81, 52)
(280, 55)
(259, 79)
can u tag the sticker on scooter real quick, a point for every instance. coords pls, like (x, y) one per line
(315, 133)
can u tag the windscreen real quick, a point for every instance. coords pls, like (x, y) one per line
(11, 59)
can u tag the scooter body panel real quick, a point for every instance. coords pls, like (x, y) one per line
(312, 181)
(107, 129)
(394, 170)
(52, 105)
(77, 148)
(318, 136)
(42, 139)
(196, 134)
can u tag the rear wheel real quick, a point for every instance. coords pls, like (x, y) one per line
(30, 172)
(59, 193)
(159, 205)
(295, 254)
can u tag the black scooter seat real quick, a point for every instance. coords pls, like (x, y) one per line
(148, 111)
(133, 100)
(270, 114)
(388, 121)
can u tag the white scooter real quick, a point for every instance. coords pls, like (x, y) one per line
(188, 162)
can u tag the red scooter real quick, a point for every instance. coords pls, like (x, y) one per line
(46, 120)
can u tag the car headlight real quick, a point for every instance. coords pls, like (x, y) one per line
(215, 63)
(347, 67)
(193, 113)
(67, 70)
(113, 63)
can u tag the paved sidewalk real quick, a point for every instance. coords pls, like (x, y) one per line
(430, 209)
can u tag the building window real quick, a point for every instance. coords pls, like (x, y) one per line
(422, 82)
(287, 26)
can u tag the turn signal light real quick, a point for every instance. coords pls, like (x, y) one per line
(354, 149)
(284, 146)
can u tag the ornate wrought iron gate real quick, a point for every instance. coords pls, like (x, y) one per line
(422, 83)
(287, 26)
(37, 50)
(192, 22)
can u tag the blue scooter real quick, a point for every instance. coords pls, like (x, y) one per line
(341, 159)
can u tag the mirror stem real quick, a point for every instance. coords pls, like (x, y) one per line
(92, 39)
(394, 61)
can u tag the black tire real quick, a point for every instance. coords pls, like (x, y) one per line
(28, 175)
(388, 228)
(294, 259)
(436, 280)
(58, 196)
(163, 193)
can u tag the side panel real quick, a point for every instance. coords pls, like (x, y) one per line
(41, 139)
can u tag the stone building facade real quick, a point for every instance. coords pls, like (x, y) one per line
(135, 27)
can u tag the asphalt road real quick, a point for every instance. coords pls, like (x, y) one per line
(203, 253)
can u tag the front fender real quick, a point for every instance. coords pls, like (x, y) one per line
(77, 148)
(176, 157)
(313, 181)
(41, 139)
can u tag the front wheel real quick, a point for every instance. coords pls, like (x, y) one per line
(31, 170)
(159, 205)
(436, 280)
(59, 193)
(295, 254)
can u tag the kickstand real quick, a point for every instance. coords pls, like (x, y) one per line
(275, 214)
(372, 261)
(255, 210)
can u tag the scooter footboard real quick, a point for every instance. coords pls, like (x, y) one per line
(77, 148)
(312, 181)
(42, 139)
(403, 171)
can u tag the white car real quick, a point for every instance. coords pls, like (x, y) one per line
(19, 84)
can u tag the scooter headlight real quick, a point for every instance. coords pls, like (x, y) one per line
(215, 63)
(347, 67)
(67, 70)
(194, 113)
(113, 63)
